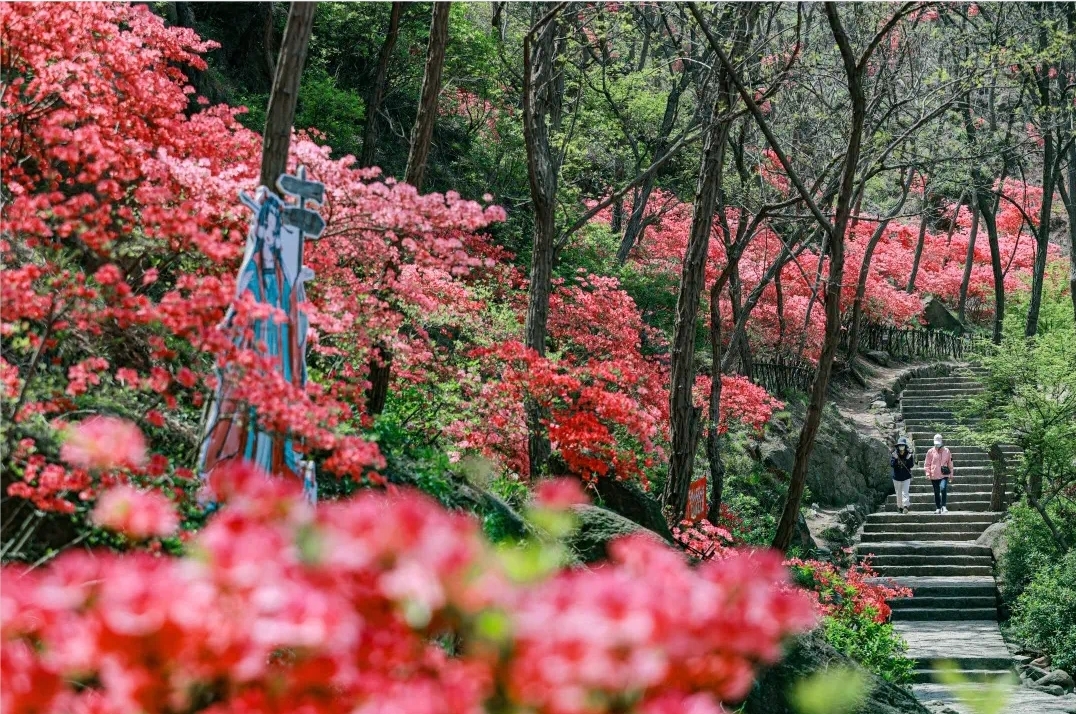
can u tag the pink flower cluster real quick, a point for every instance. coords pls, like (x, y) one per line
(278, 608)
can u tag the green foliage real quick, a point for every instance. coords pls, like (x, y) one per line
(1045, 614)
(833, 691)
(875, 645)
(1030, 547)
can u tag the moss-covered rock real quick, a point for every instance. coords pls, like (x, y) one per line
(598, 526)
(811, 655)
(846, 468)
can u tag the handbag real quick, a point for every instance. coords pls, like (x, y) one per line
(945, 470)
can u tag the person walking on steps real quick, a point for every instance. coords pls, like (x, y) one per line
(901, 463)
(939, 468)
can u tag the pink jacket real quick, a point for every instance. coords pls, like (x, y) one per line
(934, 462)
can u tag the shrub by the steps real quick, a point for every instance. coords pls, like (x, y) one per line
(1030, 547)
(856, 616)
(1045, 614)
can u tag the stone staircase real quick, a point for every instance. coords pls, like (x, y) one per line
(953, 614)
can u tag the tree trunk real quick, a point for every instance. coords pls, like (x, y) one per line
(787, 525)
(781, 326)
(683, 414)
(986, 212)
(539, 98)
(969, 260)
(1042, 235)
(633, 231)
(285, 94)
(269, 40)
(377, 92)
(918, 251)
(421, 135)
(422, 132)
(1070, 206)
(864, 270)
(713, 436)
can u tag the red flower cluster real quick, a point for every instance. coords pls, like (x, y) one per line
(858, 590)
(122, 238)
(278, 608)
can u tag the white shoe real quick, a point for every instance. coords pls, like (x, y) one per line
(944, 509)
(937, 511)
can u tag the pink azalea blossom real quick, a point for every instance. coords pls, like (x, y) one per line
(103, 442)
(136, 513)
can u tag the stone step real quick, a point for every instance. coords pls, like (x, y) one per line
(884, 560)
(924, 505)
(894, 571)
(983, 519)
(967, 483)
(930, 615)
(949, 587)
(946, 423)
(924, 526)
(926, 412)
(883, 536)
(955, 379)
(968, 663)
(930, 676)
(928, 602)
(957, 392)
(957, 500)
(972, 465)
(914, 546)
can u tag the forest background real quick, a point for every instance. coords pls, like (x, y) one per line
(563, 240)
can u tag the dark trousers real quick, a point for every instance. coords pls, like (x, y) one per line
(941, 489)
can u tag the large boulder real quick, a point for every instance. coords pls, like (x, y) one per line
(598, 526)
(938, 317)
(812, 655)
(632, 502)
(845, 468)
(994, 537)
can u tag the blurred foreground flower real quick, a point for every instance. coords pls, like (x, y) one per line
(136, 513)
(280, 607)
(104, 442)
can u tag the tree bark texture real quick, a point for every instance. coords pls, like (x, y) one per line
(422, 132)
(864, 270)
(1071, 208)
(539, 100)
(683, 414)
(969, 260)
(918, 256)
(377, 93)
(713, 436)
(1042, 235)
(787, 525)
(635, 226)
(285, 93)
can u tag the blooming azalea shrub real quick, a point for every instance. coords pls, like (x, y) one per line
(853, 605)
(121, 238)
(278, 607)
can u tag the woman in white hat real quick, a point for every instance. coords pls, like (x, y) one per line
(901, 463)
(939, 468)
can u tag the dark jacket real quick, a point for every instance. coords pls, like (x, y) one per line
(901, 466)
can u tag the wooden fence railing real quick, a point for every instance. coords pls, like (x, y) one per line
(783, 374)
(909, 342)
(787, 373)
